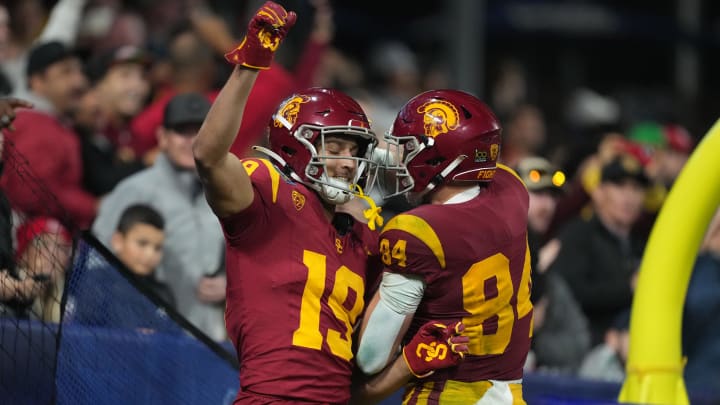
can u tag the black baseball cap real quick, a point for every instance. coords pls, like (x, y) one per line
(43, 55)
(101, 64)
(624, 167)
(186, 109)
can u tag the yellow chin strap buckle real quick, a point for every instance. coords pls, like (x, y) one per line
(372, 214)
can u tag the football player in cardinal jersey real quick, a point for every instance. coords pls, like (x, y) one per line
(460, 255)
(296, 270)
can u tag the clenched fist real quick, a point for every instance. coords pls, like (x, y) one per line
(266, 30)
(435, 346)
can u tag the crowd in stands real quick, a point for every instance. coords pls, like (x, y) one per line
(119, 93)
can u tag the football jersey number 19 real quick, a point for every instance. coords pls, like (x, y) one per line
(308, 333)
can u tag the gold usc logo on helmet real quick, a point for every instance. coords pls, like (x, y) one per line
(289, 110)
(439, 117)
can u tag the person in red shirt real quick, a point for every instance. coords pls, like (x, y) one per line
(271, 87)
(43, 136)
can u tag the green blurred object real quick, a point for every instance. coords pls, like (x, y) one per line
(649, 134)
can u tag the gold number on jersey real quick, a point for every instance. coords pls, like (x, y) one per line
(487, 295)
(397, 252)
(308, 333)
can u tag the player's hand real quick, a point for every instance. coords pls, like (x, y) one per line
(435, 346)
(7, 110)
(266, 30)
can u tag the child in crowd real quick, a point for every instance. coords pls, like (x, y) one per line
(138, 243)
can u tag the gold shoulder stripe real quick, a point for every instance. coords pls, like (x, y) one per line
(274, 178)
(511, 171)
(252, 164)
(420, 229)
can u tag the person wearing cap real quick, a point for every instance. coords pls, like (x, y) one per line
(560, 330)
(119, 90)
(14, 291)
(667, 147)
(192, 264)
(45, 137)
(36, 24)
(599, 256)
(43, 254)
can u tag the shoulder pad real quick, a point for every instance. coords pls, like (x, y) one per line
(421, 230)
(252, 164)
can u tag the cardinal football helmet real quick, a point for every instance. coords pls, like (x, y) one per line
(441, 136)
(298, 130)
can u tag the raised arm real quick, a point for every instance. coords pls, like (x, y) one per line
(227, 185)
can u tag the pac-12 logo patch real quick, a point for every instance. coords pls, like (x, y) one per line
(298, 200)
(288, 111)
(439, 117)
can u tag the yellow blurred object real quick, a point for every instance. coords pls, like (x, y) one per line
(655, 197)
(590, 177)
(655, 362)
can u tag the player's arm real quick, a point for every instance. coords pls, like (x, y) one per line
(387, 319)
(409, 259)
(227, 186)
(435, 346)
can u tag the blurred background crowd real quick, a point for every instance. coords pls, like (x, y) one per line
(601, 104)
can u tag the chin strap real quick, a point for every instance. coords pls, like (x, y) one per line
(372, 214)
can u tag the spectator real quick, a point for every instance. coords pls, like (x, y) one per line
(194, 238)
(120, 88)
(45, 138)
(561, 337)
(525, 135)
(138, 243)
(15, 293)
(606, 361)
(43, 252)
(193, 71)
(33, 26)
(667, 148)
(599, 257)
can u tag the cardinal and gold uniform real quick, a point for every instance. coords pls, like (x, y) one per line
(474, 260)
(296, 286)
